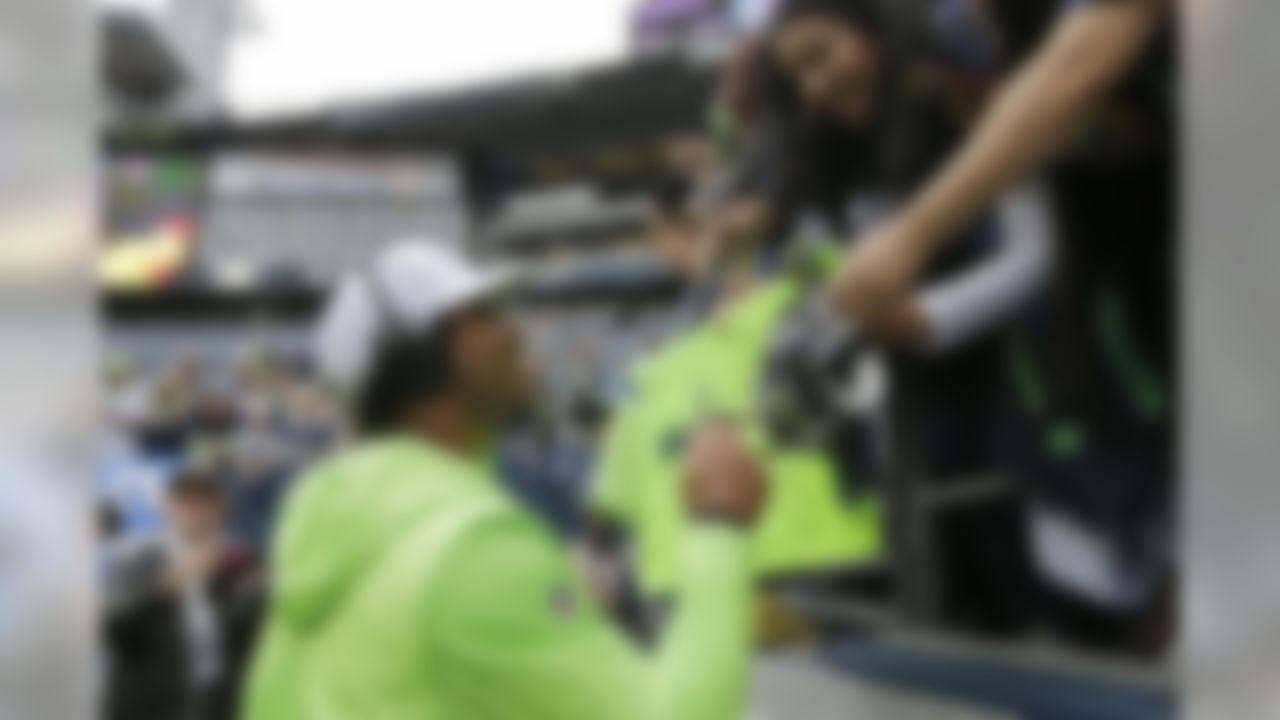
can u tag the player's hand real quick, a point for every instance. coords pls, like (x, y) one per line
(723, 479)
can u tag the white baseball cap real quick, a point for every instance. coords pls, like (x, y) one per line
(409, 287)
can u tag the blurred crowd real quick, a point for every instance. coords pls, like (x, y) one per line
(194, 469)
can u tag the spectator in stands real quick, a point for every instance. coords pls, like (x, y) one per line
(264, 462)
(180, 610)
(853, 119)
(257, 384)
(312, 422)
(215, 414)
(172, 417)
(129, 485)
(1094, 370)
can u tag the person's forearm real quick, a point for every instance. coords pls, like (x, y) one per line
(957, 309)
(1035, 115)
(704, 660)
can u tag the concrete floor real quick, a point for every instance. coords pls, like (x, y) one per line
(797, 687)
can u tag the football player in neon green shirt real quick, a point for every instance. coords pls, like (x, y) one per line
(409, 585)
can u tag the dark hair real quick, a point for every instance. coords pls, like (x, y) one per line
(869, 15)
(824, 161)
(407, 368)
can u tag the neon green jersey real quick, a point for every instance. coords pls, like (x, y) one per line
(409, 586)
(715, 369)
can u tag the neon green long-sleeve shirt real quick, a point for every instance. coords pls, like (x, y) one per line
(411, 586)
